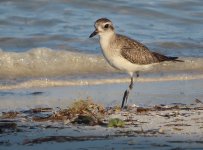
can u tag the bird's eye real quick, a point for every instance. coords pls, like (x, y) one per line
(106, 26)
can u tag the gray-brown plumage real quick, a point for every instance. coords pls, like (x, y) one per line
(124, 53)
(137, 53)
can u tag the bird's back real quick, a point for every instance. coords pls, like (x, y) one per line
(138, 53)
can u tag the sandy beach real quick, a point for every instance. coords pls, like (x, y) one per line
(164, 115)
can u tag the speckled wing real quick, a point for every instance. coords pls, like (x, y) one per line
(137, 53)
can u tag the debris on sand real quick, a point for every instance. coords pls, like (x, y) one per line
(116, 122)
(9, 115)
(150, 120)
(8, 127)
(63, 139)
(81, 111)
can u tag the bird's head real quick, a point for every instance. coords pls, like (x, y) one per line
(103, 27)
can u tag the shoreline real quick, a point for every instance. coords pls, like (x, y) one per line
(98, 80)
(144, 93)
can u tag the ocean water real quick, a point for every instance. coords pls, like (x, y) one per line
(43, 39)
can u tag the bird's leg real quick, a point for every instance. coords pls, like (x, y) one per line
(131, 83)
(126, 93)
(125, 97)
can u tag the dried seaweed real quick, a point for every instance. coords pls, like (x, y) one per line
(7, 127)
(139, 132)
(63, 139)
(37, 110)
(9, 115)
(177, 125)
(81, 111)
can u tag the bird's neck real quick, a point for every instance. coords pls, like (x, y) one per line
(106, 40)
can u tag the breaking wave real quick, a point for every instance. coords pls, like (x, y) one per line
(43, 67)
(44, 62)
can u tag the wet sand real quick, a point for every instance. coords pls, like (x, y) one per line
(168, 115)
(144, 93)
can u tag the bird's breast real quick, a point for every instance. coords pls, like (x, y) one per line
(109, 56)
(108, 51)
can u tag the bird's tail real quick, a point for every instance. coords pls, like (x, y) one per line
(161, 57)
(174, 59)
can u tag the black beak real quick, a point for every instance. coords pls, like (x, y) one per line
(93, 33)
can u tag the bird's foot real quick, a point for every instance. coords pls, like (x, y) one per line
(137, 74)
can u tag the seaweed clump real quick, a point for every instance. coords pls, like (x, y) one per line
(80, 112)
(116, 123)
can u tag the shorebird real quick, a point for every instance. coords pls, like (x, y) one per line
(124, 53)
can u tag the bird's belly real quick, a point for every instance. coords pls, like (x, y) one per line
(126, 66)
(114, 58)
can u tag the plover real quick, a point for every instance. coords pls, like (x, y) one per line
(124, 53)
